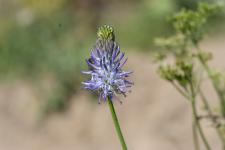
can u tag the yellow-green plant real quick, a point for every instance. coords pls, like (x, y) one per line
(188, 58)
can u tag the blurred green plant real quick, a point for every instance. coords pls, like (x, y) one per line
(188, 58)
(43, 46)
(40, 38)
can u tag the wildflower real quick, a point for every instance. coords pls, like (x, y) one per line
(105, 67)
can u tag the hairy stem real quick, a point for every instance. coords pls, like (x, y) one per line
(116, 124)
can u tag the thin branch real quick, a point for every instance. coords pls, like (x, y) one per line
(180, 90)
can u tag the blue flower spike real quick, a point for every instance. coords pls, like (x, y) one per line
(105, 67)
(107, 76)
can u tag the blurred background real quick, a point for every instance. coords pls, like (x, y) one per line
(43, 44)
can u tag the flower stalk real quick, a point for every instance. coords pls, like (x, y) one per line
(117, 125)
(107, 76)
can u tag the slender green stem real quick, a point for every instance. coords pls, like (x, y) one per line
(195, 115)
(205, 102)
(198, 125)
(209, 73)
(116, 124)
(219, 93)
(180, 90)
(220, 134)
(194, 126)
(195, 136)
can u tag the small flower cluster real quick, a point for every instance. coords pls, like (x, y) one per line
(105, 67)
(188, 25)
(181, 72)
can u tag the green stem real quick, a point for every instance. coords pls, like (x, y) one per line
(116, 124)
(198, 125)
(218, 91)
(195, 136)
(196, 120)
(205, 102)
(180, 90)
(222, 136)
(219, 132)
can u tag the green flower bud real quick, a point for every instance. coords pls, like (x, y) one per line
(106, 33)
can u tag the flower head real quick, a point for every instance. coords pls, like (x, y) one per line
(105, 67)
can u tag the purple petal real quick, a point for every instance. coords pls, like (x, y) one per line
(121, 65)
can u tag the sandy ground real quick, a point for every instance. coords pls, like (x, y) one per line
(153, 117)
